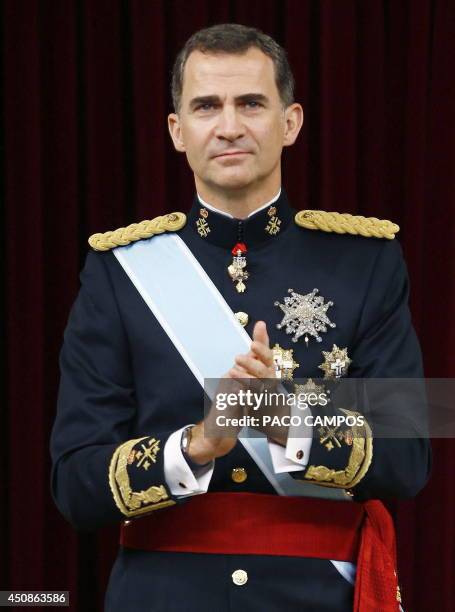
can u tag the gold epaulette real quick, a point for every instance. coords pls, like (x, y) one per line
(137, 231)
(344, 223)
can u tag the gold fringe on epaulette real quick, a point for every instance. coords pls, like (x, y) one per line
(344, 223)
(137, 231)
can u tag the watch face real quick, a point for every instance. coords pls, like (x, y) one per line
(186, 438)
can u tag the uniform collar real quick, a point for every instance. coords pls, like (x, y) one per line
(226, 214)
(220, 228)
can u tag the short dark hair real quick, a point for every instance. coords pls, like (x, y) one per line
(234, 38)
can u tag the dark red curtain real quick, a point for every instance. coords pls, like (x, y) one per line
(85, 148)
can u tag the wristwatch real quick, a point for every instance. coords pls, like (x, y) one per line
(185, 445)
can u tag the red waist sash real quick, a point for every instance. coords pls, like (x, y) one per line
(258, 524)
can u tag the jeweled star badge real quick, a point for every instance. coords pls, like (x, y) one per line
(305, 314)
(336, 362)
(284, 362)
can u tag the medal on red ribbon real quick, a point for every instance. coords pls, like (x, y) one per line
(237, 269)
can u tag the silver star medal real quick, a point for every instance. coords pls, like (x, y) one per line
(336, 362)
(284, 362)
(305, 314)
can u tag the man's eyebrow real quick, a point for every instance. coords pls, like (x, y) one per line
(248, 97)
(204, 100)
(252, 97)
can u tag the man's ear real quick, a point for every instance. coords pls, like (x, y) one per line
(293, 121)
(173, 124)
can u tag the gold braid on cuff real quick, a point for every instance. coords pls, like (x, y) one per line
(359, 461)
(129, 502)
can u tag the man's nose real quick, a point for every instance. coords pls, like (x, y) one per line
(230, 125)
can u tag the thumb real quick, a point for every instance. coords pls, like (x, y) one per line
(260, 333)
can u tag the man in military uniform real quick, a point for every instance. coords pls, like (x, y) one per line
(205, 524)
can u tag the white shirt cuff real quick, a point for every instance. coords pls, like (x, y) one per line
(179, 477)
(294, 457)
(280, 462)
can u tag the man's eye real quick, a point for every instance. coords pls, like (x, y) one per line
(205, 107)
(252, 104)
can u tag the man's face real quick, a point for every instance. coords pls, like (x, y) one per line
(231, 124)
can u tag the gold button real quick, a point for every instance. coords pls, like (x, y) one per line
(239, 474)
(239, 577)
(242, 318)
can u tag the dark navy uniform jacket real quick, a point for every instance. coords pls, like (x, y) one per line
(123, 379)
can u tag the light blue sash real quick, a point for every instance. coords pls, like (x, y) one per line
(180, 294)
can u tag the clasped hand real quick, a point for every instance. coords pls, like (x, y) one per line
(257, 364)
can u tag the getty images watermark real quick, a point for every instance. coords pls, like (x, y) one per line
(391, 408)
(247, 408)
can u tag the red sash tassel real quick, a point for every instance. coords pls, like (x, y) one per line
(376, 586)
